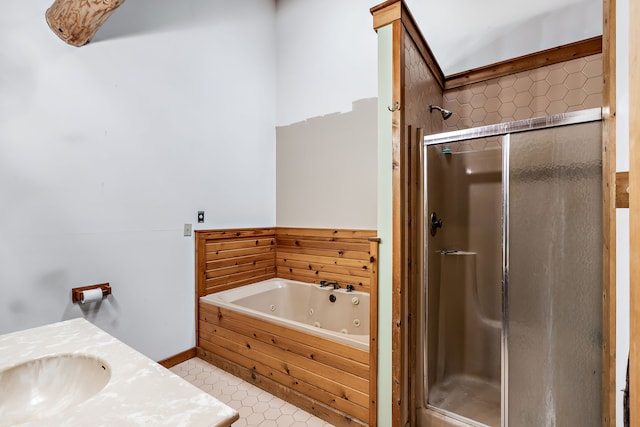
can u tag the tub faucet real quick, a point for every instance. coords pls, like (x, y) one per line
(325, 283)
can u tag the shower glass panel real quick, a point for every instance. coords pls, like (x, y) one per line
(464, 232)
(555, 277)
(512, 294)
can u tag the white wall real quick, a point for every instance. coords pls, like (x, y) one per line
(326, 57)
(467, 34)
(326, 114)
(108, 149)
(326, 170)
(327, 49)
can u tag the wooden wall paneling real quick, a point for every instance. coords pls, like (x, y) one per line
(312, 255)
(345, 392)
(333, 374)
(212, 314)
(609, 215)
(330, 233)
(230, 258)
(295, 344)
(634, 210)
(234, 258)
(300, 400)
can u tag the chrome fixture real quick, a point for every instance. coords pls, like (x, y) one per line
(445, 113)
(325, 283)
(435, 223)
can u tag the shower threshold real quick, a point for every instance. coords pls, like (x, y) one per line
(469, 399)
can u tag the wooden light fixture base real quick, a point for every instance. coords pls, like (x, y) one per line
(77, 21)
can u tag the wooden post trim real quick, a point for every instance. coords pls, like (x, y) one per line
(386, 13)
(373, 333)
(634, 212)
(398, 350)
(394, 10)
(609, 214)
(531, 61)
(622, 190)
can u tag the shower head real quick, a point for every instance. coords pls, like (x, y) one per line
(445, 113)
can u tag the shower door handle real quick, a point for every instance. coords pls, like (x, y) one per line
(435, 223)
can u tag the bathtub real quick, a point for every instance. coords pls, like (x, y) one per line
(337, 315)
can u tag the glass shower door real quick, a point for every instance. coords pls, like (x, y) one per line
(554, 266)
(464, 257)
(513, 273)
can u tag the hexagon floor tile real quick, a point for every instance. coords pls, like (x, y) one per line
(255, 406)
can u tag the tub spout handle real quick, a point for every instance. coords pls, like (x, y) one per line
(325, 283)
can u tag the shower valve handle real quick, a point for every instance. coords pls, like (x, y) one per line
(435, 223)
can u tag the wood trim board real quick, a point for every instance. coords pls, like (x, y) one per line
(178, 358)
(622, 190)
(634, 212)
(609, 197)
(567, 52)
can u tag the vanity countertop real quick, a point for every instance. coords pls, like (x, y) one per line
(140, 392)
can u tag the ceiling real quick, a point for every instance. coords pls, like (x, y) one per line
(466, 34)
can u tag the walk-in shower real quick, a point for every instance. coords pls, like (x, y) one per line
(511, 299)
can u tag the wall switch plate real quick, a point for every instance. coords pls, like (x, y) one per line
(187, 230)
(200, 216)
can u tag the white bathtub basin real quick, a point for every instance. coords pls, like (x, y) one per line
(39, 388)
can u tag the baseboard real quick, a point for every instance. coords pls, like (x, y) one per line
(178, 358)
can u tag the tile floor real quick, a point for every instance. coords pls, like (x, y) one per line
(256, 406)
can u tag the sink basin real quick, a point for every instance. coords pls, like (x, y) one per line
(43, 387)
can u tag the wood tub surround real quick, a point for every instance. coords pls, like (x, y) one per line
(311, 255)
(333, 381)
(227, 259)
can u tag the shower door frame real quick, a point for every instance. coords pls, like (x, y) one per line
(503, 130)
